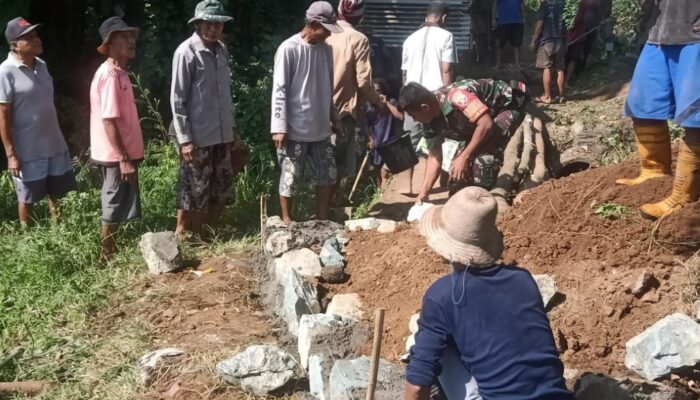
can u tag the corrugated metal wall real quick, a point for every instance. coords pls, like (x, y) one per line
(395, 20)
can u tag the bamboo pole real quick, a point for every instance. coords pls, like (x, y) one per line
(376, 349)
(359, 175)
(27, 388)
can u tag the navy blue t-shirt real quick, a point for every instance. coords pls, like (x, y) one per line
(500, 329)
(551, 12)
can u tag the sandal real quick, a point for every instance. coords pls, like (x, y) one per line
(540, 100)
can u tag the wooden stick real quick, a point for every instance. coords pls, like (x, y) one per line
(28, 387)
(262, 222)
(359, 175)
(376, 349)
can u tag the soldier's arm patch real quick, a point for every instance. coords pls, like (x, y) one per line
(468, 103)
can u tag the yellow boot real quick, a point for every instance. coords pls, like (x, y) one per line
(654, 145)
(686, 185)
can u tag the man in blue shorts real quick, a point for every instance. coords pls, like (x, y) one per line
(666, 85)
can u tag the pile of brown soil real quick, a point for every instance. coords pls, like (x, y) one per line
(594, 260)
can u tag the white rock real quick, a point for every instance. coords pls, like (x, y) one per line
(149, 361)
(279, 243)
(388, 226)
(413, 323)
(668, 345)
(643, 283)
(274, 222)
(259, 369)
(349, 380)
(298, 298)
(319, 374)
(410, 342)
(331, 335)
(364, 224)
(346, 305)
(161, 252)
(697, 309)
(570, 373)
(417, 210)
(303, 261)
(547, 286)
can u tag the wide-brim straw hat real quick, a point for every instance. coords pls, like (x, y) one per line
(210, 10)
(464, 229)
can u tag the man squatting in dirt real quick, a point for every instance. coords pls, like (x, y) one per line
(203, 118)
(665, 85)
(483, 330)
(302, 110)
(37, 153)
(116, 141)
(352, 75)
(478, 116)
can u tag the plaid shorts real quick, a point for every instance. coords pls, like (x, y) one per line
(294, 157)
(207, 179)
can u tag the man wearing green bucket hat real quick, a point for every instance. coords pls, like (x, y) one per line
(203, 120)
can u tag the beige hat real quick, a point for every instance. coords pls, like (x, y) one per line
(464, 229)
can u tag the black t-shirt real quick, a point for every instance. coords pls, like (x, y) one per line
(673, 20)
(551, 12)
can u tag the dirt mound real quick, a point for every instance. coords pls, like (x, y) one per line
(594, 260)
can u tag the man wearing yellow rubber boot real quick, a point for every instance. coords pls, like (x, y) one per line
(666, 85)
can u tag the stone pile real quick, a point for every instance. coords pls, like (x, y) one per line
(298, 257)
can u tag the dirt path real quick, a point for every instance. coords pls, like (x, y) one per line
(211, 314)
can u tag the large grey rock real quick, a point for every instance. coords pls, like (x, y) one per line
(333, 274)
(547, 286)
(319, 372)
(298, 298)
(670, 344)
(259, 369)
(279, 242)
(303, 261)
(161, 252)
(330, 335)
(350, 378)
(330, 254)
(600, 387)
(346, 305)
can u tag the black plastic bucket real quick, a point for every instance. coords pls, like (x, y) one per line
(398, 154)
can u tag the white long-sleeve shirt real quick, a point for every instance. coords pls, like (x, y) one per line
(302, 90)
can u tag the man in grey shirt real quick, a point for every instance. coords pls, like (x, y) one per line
(37, 154)
(203, 118)
(302, 105)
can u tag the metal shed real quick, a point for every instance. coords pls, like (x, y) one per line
(395, 20)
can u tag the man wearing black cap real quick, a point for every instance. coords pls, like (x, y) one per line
(37, 154)
(116, 140)
(203, 118)
(302, 109)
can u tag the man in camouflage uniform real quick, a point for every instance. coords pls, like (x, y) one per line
(468, 125)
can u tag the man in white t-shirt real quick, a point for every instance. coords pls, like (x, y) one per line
(428, 55)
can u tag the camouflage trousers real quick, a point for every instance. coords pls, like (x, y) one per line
(207, 179)
(486, 166)
(295, 156)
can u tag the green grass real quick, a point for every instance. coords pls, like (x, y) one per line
(51, 279)
(611, 211)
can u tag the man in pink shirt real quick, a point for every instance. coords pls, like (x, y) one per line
(115, 133)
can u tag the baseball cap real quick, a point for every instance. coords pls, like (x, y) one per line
(112, 24)
(323, 13)
(17, 28)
